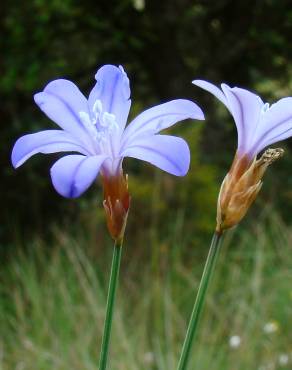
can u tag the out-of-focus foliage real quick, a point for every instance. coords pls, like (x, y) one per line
(163, 45)
(53, 300)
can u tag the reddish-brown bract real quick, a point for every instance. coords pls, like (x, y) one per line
(116, 204)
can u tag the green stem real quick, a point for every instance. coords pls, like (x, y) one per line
(110, 304)
(199, 303)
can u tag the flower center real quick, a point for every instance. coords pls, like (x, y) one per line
(100, 125)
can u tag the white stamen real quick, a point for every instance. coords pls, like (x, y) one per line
(100, 136)
(99, 124)
(97, 107)
(265, 107)
(85, 119)
(109, 120)
(89, 124)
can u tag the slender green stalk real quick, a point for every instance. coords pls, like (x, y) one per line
(200, 299)
(114, 277)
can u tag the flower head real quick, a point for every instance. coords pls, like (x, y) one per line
(258, 126)
(96, 129)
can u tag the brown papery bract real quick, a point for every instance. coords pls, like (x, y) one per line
(241, 187)
(116, 204)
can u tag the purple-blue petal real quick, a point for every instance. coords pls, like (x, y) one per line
(112, 88)
(276, 124)
(169, 153)
(160, 117)
(246, 108)
(49, 141)
(62, 101)
(213, 89)
(72, 175)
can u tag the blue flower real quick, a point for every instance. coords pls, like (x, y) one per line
(258, 124)
(96, 129)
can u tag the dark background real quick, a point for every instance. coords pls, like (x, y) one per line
(163, 45)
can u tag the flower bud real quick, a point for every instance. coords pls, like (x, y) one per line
(116, 204)
(241, 186)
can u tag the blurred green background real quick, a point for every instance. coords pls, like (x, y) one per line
(163, 45)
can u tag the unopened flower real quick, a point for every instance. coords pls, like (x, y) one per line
(234, 341)
(271, 327)
(283, 359)
(96, 129)
(258, 126)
